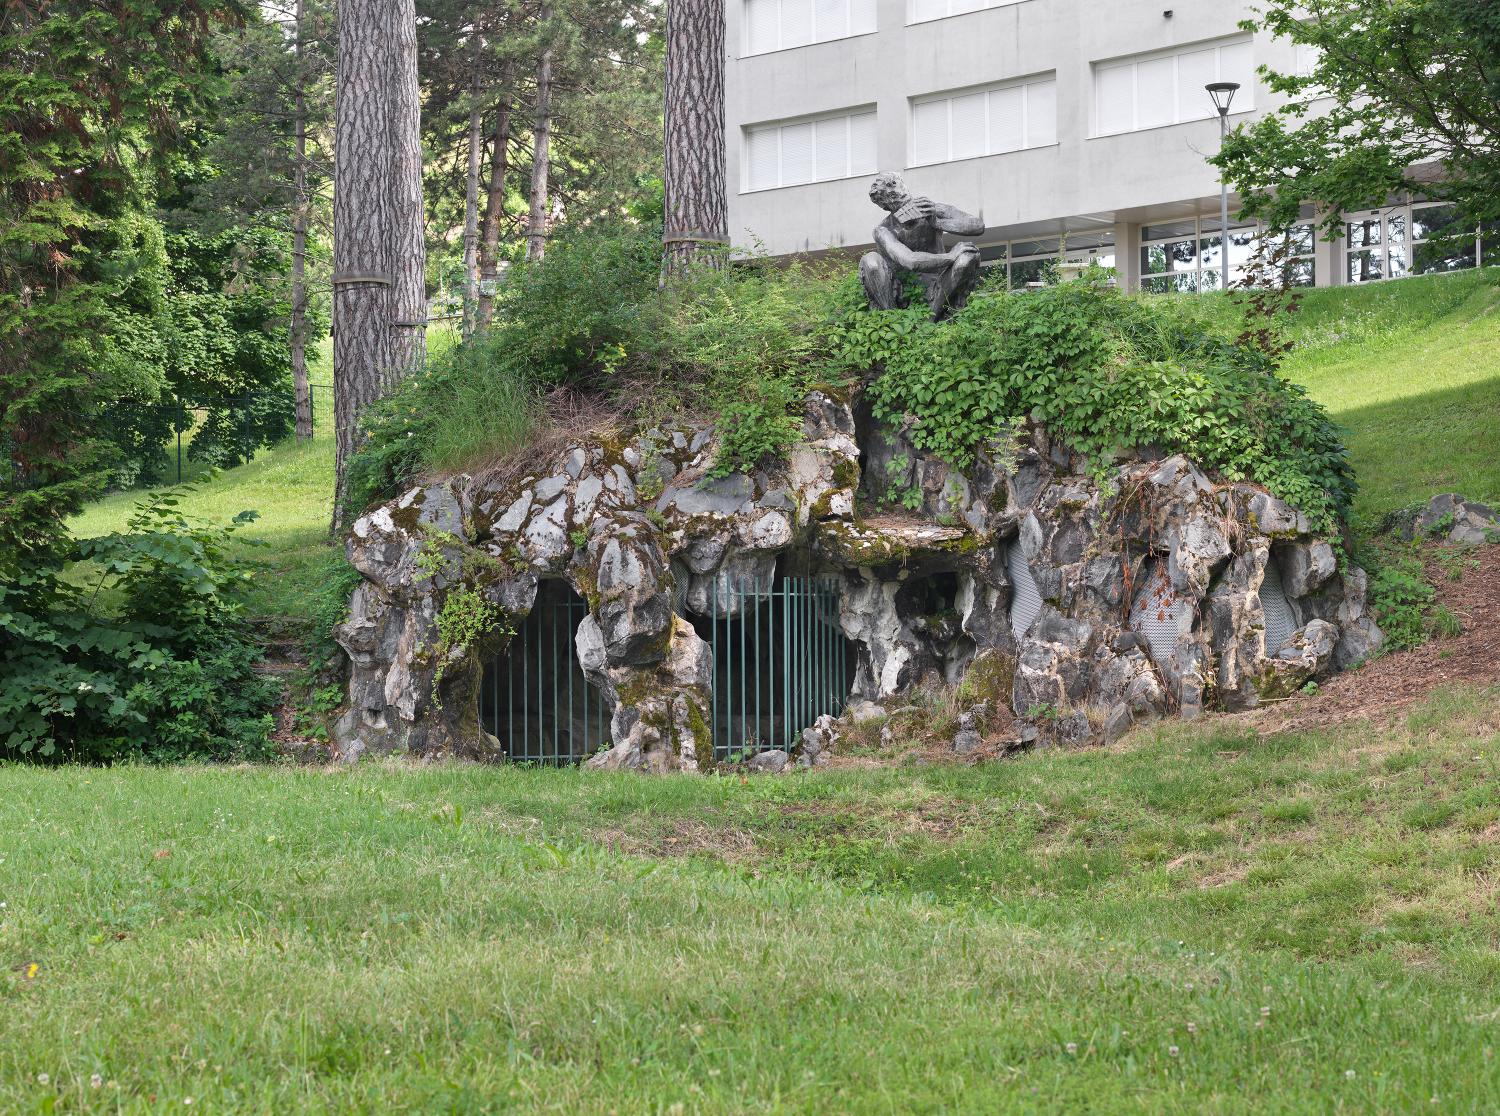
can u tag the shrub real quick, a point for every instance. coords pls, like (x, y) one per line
(1107, 372)
(743, 344)
(151, 658)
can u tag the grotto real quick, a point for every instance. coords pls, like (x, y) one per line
(624, 607)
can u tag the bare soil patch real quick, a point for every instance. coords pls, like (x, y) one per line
(1388, 687)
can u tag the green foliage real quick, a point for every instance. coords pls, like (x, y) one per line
(1107, 373)
(1397, 85)
(745, 344)
(152, 660)
(757, 429)
(83, 143)
(590, 319)
(1399, 597)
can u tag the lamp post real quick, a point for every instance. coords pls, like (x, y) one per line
(1222, 93)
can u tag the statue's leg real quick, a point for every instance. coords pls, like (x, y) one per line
(881, 282)
(953, 287)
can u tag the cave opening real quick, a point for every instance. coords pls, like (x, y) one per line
(534, 697)
(780, 660)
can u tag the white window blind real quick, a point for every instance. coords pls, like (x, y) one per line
(1149, 91)
(782, 24)
(984, 122)
(922, 11)
(792, 154)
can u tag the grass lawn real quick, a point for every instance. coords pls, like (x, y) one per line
(1194, 921)
(1412, 369)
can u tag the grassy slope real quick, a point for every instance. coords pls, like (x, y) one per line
(1412, 369)
(1309, 921)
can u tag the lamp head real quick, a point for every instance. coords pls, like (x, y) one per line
(1222, 93)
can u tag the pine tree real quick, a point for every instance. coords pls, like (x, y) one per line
(697, 219)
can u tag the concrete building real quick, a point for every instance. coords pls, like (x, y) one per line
(1076, 128)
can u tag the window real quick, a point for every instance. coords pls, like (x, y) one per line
(1184, 256)
(1440, 241)
(797, 152)
(984, 122)
(1151, 91)
(1375, 245)
(922, 11)
(1027, 262)
(782, 24)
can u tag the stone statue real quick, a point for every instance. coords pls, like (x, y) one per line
(910, 241)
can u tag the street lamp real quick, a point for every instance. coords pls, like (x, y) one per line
(1222, 93)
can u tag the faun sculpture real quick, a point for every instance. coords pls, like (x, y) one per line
(910, 242)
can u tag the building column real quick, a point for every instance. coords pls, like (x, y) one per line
(1329, 255)
(1128, 255)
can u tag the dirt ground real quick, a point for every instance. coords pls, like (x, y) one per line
(1391, 684)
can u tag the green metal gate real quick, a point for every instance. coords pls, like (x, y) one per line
(535, 699)
(780, 660)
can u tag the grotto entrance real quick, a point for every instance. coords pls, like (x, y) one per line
(534, 698)
(780, 660)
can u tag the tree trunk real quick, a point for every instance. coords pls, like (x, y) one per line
(697, 219)
(363, 219)
(541, 158)
(471, 199)
(409, 235)
(298, 324)
(494, 210)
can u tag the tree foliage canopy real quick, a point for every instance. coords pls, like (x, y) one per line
(1404, 95)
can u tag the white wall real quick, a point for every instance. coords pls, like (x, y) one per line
(1121, 179)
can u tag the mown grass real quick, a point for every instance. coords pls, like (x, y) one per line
(1195, 921)
(1412, 369)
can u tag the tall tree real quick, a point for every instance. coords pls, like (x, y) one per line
(89, 115)
(471, 190)
(409, 232)
(379, 235)
(541, 145)
(697, 219)
(301, 218)
(494, 206)
(1394, 86)
(364, 220)
(272, 155)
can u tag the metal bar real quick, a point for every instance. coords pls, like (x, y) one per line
(786, 666)
(556, 741)
(572, 663)
(755, 665)
(740, 666)
(713, 663)
(541, 725)
(525, 686)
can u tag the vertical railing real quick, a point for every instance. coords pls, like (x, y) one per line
(779, 661)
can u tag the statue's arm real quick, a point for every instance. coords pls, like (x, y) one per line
(956, 221)
(905, 258)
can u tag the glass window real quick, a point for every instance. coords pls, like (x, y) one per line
(1023, 272)
(985, 122)
(1152, 90)
(809, 151)
(1362, 234)
(783, 24)
(1194, 261)
(1441, 241)
(920, 11)
(1365, 266)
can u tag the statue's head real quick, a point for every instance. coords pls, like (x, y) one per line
(889, 192)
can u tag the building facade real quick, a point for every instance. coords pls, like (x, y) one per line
(1077, 129)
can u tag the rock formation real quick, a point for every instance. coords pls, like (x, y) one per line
(1151, 591)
